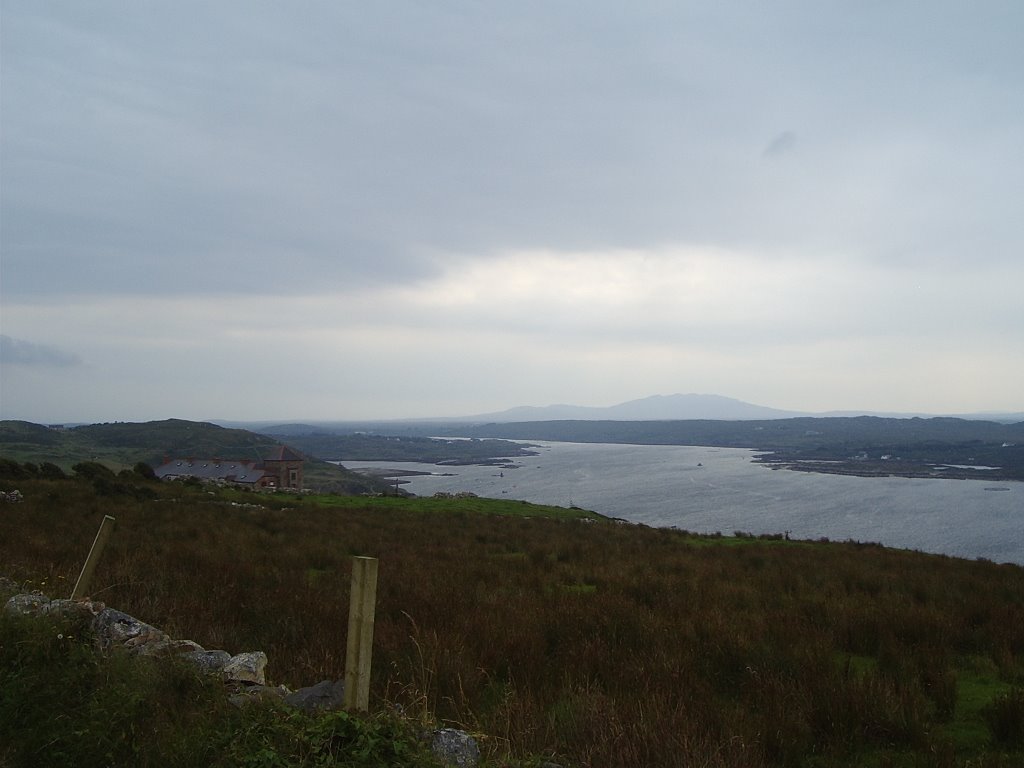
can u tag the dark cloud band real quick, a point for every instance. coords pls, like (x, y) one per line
(19, 352)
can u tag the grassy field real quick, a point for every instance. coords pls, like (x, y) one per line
(551, 633)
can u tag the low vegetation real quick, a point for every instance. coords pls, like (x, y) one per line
(63, 704)
(585, 641)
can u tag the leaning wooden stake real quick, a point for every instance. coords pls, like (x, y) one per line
(82, 585)
(360, 633)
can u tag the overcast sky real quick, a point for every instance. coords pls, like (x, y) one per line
(267, 210)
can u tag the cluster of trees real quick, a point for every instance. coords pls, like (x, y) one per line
(103, 479)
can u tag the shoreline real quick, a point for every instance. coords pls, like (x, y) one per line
(855, 468)
(848, 466)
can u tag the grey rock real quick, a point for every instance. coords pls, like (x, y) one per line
(246, 668)
(26, 605)
(152, 642)
(117, 628)
(208, 661)
(169, 647)
(324, 695)
(80, 612)
(455, 748)
(256, 693)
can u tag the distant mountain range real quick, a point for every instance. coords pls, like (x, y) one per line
(676, 407)
(654, 408)
(693, 406)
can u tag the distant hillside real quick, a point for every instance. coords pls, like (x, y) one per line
(122, 444)
(861, 445)
(125, 443)
(763, 434)
(335, 446)
(654, 408)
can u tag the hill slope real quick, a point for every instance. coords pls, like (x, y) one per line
(120, 445)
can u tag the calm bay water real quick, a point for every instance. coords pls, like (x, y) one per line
(720, 489)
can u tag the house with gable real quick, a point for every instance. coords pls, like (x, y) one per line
(280, 467)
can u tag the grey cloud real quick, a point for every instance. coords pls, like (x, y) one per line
(247, 147)
(20, 352)
(780, 145)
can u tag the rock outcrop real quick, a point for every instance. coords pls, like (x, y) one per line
(247, 668)
(455, 748)
(208, 661)
(115, 629)
(325, 695)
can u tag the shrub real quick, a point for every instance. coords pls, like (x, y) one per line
(91, 470)
(143, 470)
(12, 470)
(50, 471)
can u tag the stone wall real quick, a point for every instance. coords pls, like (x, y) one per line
(244, 674)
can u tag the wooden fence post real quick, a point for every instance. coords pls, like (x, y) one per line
(360, 633)
(82, 585)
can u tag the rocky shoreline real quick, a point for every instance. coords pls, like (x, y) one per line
(885, 468)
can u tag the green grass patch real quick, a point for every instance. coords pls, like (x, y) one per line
(978, 686)
(860, 666)
(474, 505)
(579, 589)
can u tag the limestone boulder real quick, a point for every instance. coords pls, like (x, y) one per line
(27, 604)
(208, 661)
(115, 628)
(259, 693)
(169, 647)
(455, 748)
(35, 604)
(325, 695)
(246, 668)
(79, 613)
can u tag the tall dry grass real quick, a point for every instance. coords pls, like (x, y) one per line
(605, 644)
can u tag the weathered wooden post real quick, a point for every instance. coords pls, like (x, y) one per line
(82, 585)
(360, 633)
